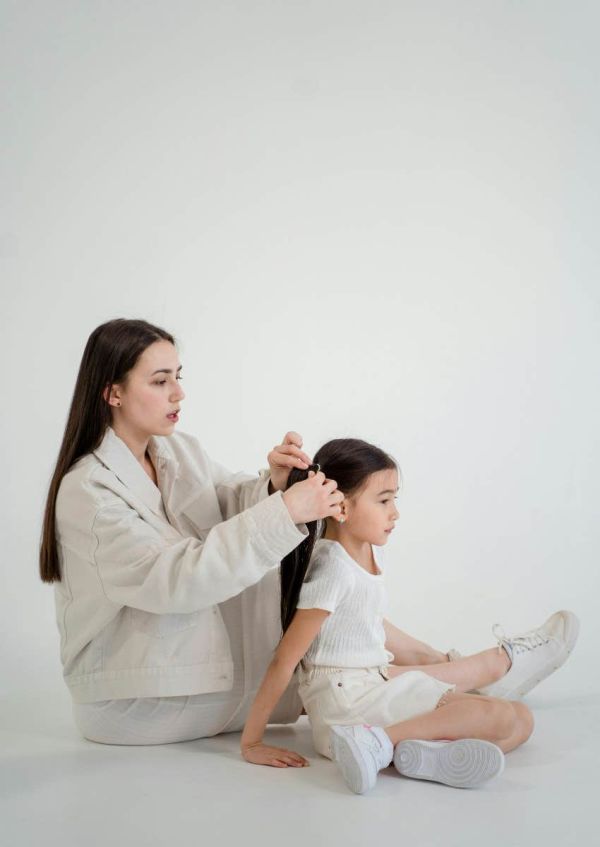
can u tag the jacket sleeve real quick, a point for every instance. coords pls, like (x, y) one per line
(140, 568)
(237, 491)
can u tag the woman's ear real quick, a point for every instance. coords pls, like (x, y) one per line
(112, 395)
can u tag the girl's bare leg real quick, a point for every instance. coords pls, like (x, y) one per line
(468, 673)
(503, 722)
(410, 651)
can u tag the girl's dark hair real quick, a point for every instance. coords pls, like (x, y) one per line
(112, 350)
(349, 461)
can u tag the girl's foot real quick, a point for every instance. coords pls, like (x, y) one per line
(360, 752)
(461, 764)
(534, 655)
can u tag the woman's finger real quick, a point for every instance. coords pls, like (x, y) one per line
(280, 451)
(293, 438)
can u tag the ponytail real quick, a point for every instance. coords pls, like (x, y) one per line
(295, 565)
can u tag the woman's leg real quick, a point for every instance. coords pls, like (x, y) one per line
(503, 722)
(467, 673)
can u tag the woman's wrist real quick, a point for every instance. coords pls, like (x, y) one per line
(288, 499)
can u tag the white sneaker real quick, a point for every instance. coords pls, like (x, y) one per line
(360, 752)
(461, 764)
(535, 655)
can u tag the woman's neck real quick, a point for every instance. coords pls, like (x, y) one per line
(136, 441)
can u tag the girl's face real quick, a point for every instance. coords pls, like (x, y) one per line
(148, 401)
(371, 513)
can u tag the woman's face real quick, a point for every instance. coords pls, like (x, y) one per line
(148, 401)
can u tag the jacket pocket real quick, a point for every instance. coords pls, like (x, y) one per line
(161, 626)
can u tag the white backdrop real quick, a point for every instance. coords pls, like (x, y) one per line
(358, 218)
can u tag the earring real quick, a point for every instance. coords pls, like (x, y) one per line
(342, 519)
(118, 403)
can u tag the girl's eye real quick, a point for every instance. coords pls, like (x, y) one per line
(178, 376)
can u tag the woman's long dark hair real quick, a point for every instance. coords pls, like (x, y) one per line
(112, 350)
(349, 461)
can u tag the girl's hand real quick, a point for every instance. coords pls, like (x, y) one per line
(285, 456)
(276, 757)
(313, 498)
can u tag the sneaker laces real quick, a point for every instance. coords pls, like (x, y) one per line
(520, 643)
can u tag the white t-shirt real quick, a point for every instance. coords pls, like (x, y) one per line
(353, 635)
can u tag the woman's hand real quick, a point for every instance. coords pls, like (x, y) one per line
(285, 456)
(276, 757)
(313, 499)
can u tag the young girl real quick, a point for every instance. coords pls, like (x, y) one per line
(364, 711)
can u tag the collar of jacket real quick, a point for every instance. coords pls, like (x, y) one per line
(116, 455)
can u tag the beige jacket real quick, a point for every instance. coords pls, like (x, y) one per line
(137, 605)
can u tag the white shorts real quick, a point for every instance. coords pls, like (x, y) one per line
(364, 695)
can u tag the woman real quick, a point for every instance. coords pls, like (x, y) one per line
(164, 563)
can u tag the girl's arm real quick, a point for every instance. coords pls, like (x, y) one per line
(292, 647)
(407, 650)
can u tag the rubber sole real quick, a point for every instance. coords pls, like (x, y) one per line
(571, 636)
(462, 764)
(359, 775)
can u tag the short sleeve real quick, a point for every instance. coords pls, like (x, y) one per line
(327, 583)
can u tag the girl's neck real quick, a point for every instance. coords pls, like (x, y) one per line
(359, 550)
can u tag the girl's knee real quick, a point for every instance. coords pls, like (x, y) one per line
(524, 716)
(503, 717)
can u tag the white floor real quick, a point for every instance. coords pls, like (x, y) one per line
(57, 788)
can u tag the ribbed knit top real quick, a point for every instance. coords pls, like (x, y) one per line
(353, 635)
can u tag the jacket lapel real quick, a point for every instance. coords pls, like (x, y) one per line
(116, 455)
